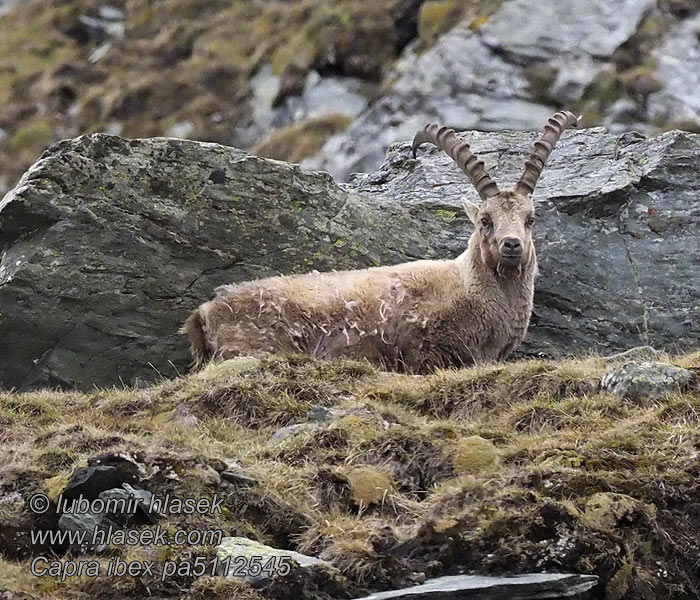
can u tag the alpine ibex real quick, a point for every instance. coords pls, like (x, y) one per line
(413, 316)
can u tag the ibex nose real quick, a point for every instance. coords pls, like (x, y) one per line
(511, 246)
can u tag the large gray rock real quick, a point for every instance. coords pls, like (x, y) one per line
(461, 82)
(107, 244)
(248, 560)
(645, 380)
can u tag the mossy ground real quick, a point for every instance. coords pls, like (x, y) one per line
(512, 467)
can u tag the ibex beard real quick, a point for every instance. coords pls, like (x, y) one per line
(411, 317)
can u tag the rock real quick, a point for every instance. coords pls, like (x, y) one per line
(129, 469)
(87, 522)
(596, 28)
(6, 5)
(483, 79)
(181, 129)
(524, 587)
(89, 482)
(132, 503)
(98, 28)
(180, 415)
(623, 113)
(110, 13)
(645, 380)
(677, 69)
(322, 414)
(329, 95)
(625, 206)
(461, 82)
(236, 553)
(317, 97)
(237, 478)
(17, 521)
(107, 244)
(290, 431)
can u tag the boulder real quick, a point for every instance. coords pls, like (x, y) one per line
(616, 231)
(677, 69)
(107, 244)
(559, 27)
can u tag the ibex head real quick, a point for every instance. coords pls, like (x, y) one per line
(504, 220)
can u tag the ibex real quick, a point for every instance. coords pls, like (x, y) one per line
(410, 317)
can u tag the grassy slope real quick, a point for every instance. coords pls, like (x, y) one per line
(520, 466)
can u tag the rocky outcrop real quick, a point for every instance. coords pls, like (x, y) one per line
(107, 244)
(626, 65)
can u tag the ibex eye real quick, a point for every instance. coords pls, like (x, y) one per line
(530, 221)
(485, 222)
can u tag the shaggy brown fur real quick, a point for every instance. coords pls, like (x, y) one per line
(410, 317)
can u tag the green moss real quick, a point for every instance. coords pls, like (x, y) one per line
(605, 510)
(617, 587)
(448, 215)
(369, 485)
(475, 455)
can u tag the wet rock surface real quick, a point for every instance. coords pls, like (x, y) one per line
(107, 244)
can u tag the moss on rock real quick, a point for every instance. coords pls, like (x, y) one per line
(474, 454)
(369, 485)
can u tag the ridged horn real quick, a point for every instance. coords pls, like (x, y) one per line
(556, 125)
(459, 151)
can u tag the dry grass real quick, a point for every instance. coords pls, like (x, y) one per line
(514, 467)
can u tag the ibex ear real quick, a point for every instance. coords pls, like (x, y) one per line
(472, 211)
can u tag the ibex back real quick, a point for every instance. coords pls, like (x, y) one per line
(410, 317)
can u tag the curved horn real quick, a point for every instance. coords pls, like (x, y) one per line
(556, 125)
(459, 151)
